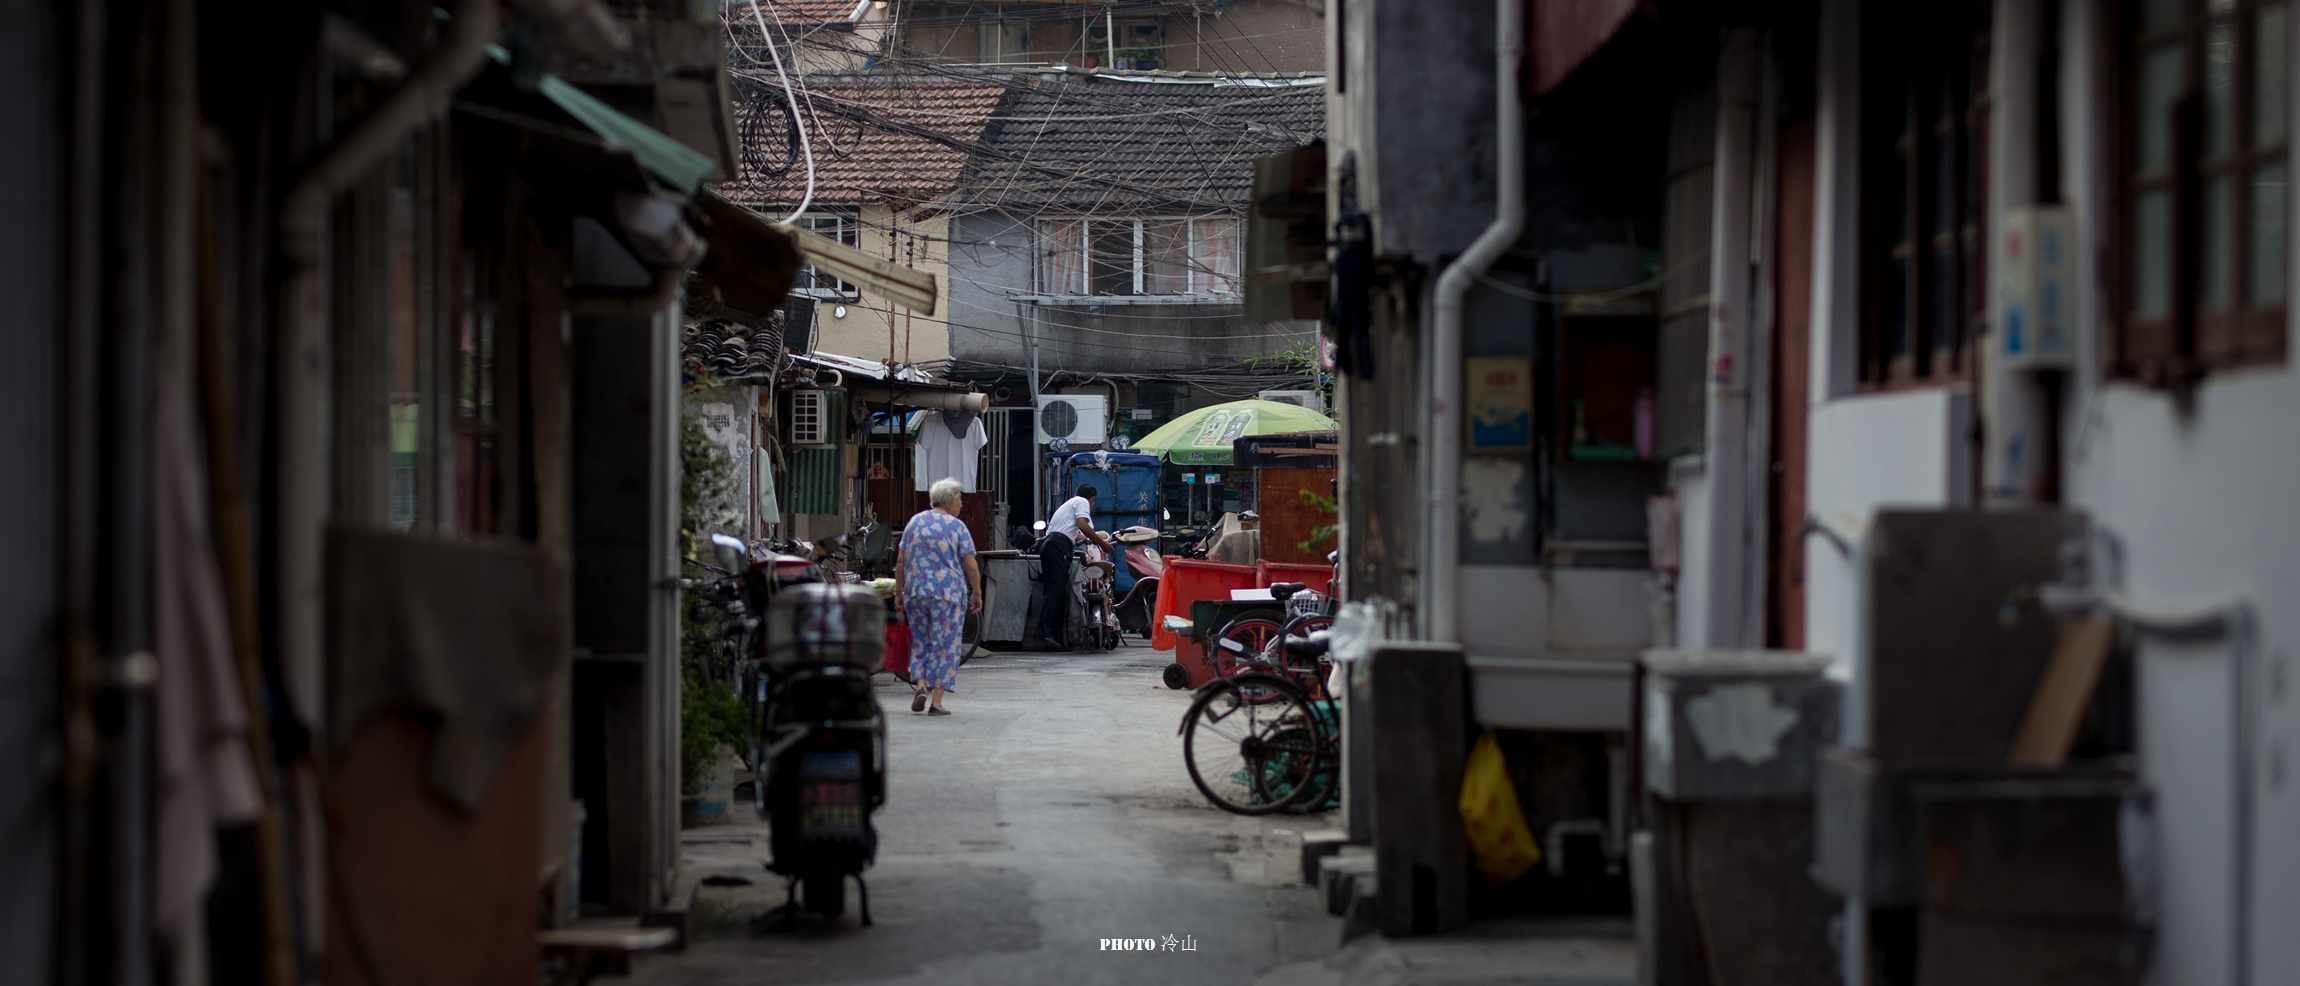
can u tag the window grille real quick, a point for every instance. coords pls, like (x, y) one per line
(808, 419)
(1924, 291)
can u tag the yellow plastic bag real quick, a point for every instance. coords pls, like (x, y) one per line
(1498, 837)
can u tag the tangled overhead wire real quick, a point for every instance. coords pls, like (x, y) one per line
(763, 115)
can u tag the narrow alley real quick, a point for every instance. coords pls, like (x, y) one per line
(1050, 811)
(1379, 493)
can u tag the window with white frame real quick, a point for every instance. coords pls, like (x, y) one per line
(1163, 256)
(814, 283)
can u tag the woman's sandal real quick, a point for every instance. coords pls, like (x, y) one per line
(918, 700)
(938, 711)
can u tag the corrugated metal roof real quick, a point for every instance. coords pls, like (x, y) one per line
(811, 481)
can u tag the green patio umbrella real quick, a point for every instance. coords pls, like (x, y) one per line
(1202, 437)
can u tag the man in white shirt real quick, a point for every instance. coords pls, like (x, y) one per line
(1072, 521)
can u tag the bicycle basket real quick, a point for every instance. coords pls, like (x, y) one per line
(1307, 602)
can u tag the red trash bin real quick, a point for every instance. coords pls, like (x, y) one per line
(1188, 580)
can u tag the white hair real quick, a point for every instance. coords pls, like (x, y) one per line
(943, 493)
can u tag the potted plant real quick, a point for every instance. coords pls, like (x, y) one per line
(1144, 57)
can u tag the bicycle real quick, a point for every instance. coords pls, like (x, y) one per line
(1255, 744)
(1258, 641)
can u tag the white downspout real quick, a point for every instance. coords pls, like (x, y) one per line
(1441, 581)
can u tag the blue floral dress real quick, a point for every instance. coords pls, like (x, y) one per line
(934, 549)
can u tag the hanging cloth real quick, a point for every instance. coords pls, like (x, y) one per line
(949, 452)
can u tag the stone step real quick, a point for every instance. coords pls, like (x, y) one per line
(1318, 844)
(1337, 873)
(1363, 913)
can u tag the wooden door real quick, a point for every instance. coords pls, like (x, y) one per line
(1289, 519)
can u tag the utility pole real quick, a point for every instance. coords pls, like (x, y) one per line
(1037, 463)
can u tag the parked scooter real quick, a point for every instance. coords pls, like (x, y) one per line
(1093, 618)
(817, 744)
(1142, 558)
(821, 741)
(1092, 622)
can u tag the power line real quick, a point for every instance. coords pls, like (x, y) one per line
(795, 120)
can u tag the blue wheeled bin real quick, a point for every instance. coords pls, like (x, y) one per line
(1127, 488)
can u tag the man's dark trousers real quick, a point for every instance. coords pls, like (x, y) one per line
(1054, 558)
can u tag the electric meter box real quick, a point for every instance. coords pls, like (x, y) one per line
(2035, 317)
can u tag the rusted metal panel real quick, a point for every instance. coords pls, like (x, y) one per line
(1289, 520)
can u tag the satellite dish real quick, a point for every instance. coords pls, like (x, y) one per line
(1120, 442)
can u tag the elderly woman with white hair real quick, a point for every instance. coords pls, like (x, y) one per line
(937, 582)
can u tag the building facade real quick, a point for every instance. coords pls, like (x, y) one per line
(1788, 283)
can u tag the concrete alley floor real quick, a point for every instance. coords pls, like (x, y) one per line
(1050, 811)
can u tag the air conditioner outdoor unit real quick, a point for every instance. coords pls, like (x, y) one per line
(1079, 419)
(810, 418)
(1298, 398)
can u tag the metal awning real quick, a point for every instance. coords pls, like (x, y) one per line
(677, 166)
(905, 387)
(665, 161)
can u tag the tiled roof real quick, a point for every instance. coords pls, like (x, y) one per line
(730, 350)
(1103, 142)
(866, 132)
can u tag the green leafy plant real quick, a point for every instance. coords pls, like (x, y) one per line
(1325, 532)
(1300, 359)
(709, 713)
(1143, 53)
(708, 491)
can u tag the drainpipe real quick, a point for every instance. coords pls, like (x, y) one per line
(2238, 624)
(1730, 585)
(306, 365)
(1441, 593)
(1037, 462)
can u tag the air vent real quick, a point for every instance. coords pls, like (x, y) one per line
(809, 418)
(1298, 398)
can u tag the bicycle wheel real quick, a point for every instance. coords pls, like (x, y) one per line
(1251, 755)
(1308, 673)
(1242, 645)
